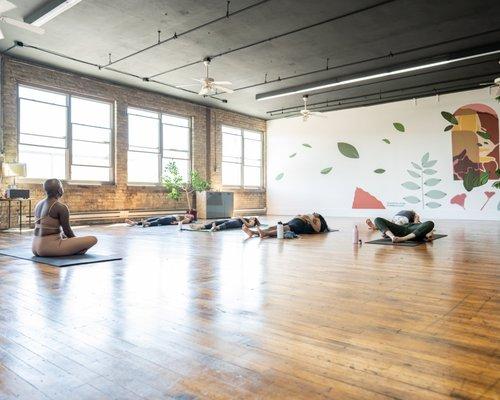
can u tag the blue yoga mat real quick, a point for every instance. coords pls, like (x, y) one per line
(66, 261)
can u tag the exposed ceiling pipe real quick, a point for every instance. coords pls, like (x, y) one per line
(269, 39)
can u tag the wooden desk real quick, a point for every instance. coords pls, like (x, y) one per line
(20, 202)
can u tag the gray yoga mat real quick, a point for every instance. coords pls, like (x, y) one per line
(67, 261)
(409, 243)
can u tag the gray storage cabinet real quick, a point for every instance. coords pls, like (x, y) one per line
(211, 205)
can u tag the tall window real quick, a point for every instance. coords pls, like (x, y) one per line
(78, 149)
(154, 140)
(241, 157)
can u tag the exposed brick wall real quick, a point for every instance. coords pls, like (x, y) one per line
(206, 138)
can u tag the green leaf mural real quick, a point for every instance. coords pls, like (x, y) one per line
(410, 185)
(413, 173)
(449, 117)
(399, 126)
(412, 199)
(416, 166)
(484, 134)
(387, 141)
(498, 206)
(348, 150)
(429, 164)
(429, 171)
(379, 171)
(326, 171)
(307, 145)
(435, 194)
(292, 155)
(425, 158)
(474, 179)
(280, 176)
(449, 127)
(433, 204)
(496, 185)
(432, 182)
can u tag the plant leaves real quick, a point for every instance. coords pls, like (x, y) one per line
(429, 164)
(429, 171)
(416, 166)
(348, 150)
(449, 117)
(484, 134)
(449, 127)
(326, 171)
(433, 204)
(280, 176)
(474, 179)
(307, 145)
(496, 185)
(292, 155)
(425, 158)
(379, 171)
(411, 199)
(410, 185)
(497, 172)
(435, 194)
(399, 126)
(387, 141)
(432, 182)
(413, 173)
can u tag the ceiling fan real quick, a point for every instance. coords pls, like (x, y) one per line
(494, 88)
(306, 113)
(210, 85)
(7, 6)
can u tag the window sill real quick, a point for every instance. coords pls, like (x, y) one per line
(239, 189)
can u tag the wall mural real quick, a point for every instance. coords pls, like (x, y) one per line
(363, 199)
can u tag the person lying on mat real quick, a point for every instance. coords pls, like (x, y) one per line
(403, 217)
(50, 217)
(233, 223)
(306, 223)
(402, 233)
(160, 221)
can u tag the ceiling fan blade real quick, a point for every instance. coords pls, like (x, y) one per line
(187, 85)
(2, 36)
(198, 80)
(222, 89)
(222, 83)
(317, 114)
(22, 25)
(486, 84)
(6, 6)
(204, 91)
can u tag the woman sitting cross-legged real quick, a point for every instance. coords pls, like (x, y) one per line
(403, 217)
(306, 223)
(160, 221)
(233, 223)
(50, 217)
(402, 233)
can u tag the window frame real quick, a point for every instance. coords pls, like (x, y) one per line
(242, 162)
(68, 157)
(160, 156)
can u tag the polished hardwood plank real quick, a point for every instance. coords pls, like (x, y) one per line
(191, 315)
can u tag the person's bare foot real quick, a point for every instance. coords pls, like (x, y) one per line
(430, 236)
(145, 224)
(129, 222)
(397, 239)
(247, 230)
(261, 233)
(213, 228)
(371, 225)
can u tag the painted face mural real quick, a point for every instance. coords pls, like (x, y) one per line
(475, 141)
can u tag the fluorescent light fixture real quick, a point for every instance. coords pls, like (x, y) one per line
(49, 11)
(325, 85)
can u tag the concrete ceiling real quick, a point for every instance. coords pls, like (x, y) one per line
(93, 28)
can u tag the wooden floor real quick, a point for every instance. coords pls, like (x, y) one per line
(190, 315)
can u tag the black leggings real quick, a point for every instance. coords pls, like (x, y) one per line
(160, 221)
(420, 230)
(222, 224)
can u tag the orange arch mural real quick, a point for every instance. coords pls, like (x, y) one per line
(475, 141)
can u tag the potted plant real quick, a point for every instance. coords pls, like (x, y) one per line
(175, 185)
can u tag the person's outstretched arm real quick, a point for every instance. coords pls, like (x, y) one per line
(63, 214)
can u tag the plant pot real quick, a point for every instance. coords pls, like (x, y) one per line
(193, 212)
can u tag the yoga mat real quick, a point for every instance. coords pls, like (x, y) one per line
(409, 243)
(26, 254)
(208, 230)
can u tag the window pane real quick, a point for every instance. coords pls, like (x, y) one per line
(172, 120)
(252, 135)
(90, 112)
(89, 153)
(252, 176)
(231, 174)
(253, 150)
(142, 167)
(229, 129)
(42, 140)
(182, 165)
(91, 134)
(137, 111)
(42, 95)
(43, 162)
(99, 174)
(175, 138)
(231, 146)
(42, 119)
(143, 133)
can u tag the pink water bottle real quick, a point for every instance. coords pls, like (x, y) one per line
(355, 235)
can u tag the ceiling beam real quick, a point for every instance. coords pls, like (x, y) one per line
(48, 11)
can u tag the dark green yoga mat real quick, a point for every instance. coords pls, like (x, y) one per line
(67, 261)
(409, 243)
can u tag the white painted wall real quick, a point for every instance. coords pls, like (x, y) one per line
(304, 189)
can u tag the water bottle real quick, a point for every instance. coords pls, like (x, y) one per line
(279, 231)
(355, 235)
(179, 226)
